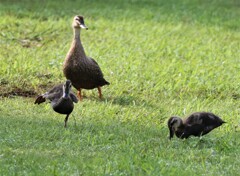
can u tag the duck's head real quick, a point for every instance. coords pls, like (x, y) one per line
(67, 88)
(78, 22)
(173, 124)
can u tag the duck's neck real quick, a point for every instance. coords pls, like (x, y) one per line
(77, 47)
(76, 32)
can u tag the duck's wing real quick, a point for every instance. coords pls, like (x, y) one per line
(95, 62)
(96, 72)
(95, 67)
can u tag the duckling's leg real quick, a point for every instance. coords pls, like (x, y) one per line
(99, 92)
(80, 95)
(66, 119)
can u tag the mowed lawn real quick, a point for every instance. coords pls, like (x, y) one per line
(162, 58)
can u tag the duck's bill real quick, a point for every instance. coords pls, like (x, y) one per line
(83, 26)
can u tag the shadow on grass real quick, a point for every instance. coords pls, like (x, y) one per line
(128, 100)
(18, 92)
(26, 91)
(124, 100)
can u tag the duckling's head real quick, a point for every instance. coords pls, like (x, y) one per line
(173, 124)
(78, 22)
(67, 88)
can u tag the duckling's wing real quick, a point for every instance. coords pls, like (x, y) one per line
(54, 94)
(73, 97)
(211, 119)
(40, 99)
(195, 118)
(208, 128)
(195, 130)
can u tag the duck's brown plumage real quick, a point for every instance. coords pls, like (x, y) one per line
(197, 124)
(61, 99)
(84, 72)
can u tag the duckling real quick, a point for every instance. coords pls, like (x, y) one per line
(197, 124)
(84, 72)
(61, 99)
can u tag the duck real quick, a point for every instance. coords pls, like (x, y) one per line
(83, 71)
(196, 124)
(61, 99)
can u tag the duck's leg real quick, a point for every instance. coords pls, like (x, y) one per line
(80, 95)
(65, 121)
(99, 92)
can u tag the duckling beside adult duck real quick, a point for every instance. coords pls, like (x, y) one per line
(61, 99)
(84, 72)
(197, 124)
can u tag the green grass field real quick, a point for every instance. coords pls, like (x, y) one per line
(162, 58)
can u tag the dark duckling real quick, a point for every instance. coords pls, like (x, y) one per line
(61, 99)
(197, 124)
(84, 72)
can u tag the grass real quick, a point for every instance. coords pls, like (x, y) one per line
(161, 58)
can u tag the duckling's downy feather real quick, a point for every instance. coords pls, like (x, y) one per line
(197, 124)
(61, 99)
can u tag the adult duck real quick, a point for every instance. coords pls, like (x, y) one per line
(197, 124)
(84, 72)
(61, 99)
